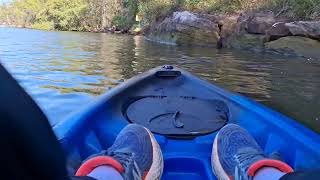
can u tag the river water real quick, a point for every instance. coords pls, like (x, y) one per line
(66, 70)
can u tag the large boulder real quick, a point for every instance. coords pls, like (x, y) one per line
(234, 33)
(277, 31)
(305, 28)
(296, 45)
(216, 18)
(185, 28)
(258, 23)
(228, 29)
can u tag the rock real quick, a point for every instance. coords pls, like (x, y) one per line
(185, 28)
(305, 28)
(247, 41)
(228, 27)
(211, 17)
(295, 45)
(258, 23)
(118, 32)
(277, 31)
(234, 34)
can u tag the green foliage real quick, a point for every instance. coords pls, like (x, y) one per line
(121, 22)
(305, 9)
(49, 14)
(198, 5)
(227, 6)
(296, 9)
(43, 25)
(86, 15)
(66, 15)
(153, 10)
(126, 18)
(192, 3)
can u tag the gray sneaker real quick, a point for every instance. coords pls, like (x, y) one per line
(135, 154)
(236, 155)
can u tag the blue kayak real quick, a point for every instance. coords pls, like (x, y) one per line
(185, 113)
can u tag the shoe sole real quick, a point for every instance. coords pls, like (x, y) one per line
(156, 169)
(215, 162)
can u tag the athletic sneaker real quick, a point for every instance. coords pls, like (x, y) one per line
(135, 154)
(236, 155)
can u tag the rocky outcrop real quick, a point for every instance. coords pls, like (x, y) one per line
(295, 45)
(185, 28)
(228, 30)
(277, 30)
(254, 31)
(309, 29)
(246, 31)
(259, 23)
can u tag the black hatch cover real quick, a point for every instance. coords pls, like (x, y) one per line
(178, 115)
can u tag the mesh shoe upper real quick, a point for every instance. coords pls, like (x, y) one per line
(135, 154)
(236, 154)
(133, 149)
(230, 140)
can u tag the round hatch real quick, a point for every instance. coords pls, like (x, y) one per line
(178, 115)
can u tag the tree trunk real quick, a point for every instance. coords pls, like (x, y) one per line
(104, 21)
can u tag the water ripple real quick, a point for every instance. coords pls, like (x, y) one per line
(63, 70)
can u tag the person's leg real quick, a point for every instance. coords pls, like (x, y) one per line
(303, 175)
(134, 154)
(235, 154)
(105, 173)
(268, 173)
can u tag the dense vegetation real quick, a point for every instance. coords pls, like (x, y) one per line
(91, 15)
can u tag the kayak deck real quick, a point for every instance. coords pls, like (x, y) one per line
(186, 153)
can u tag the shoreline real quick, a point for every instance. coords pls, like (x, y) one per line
(258, 32)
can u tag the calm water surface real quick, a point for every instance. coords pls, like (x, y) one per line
(66, 70)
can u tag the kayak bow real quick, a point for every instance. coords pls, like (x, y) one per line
(185, 113)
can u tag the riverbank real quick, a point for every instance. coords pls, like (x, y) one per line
(260, 32)
(289, 27)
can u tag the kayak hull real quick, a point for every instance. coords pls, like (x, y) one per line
(95, 126)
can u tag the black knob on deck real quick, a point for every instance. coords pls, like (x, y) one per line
(167, 67)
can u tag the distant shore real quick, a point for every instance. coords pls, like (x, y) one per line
(286, 27)
(258, 32)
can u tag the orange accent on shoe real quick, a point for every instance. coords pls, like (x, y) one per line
(269, 163)
(94, 162)
(145, 175)
(231, 177)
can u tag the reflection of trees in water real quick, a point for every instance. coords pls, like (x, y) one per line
(126, 57)
(235, 71)
(90, 57)
(106, 56)
(239, 72)
(75, 52)
(100, 60)
(135, 56)
(114, 57)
